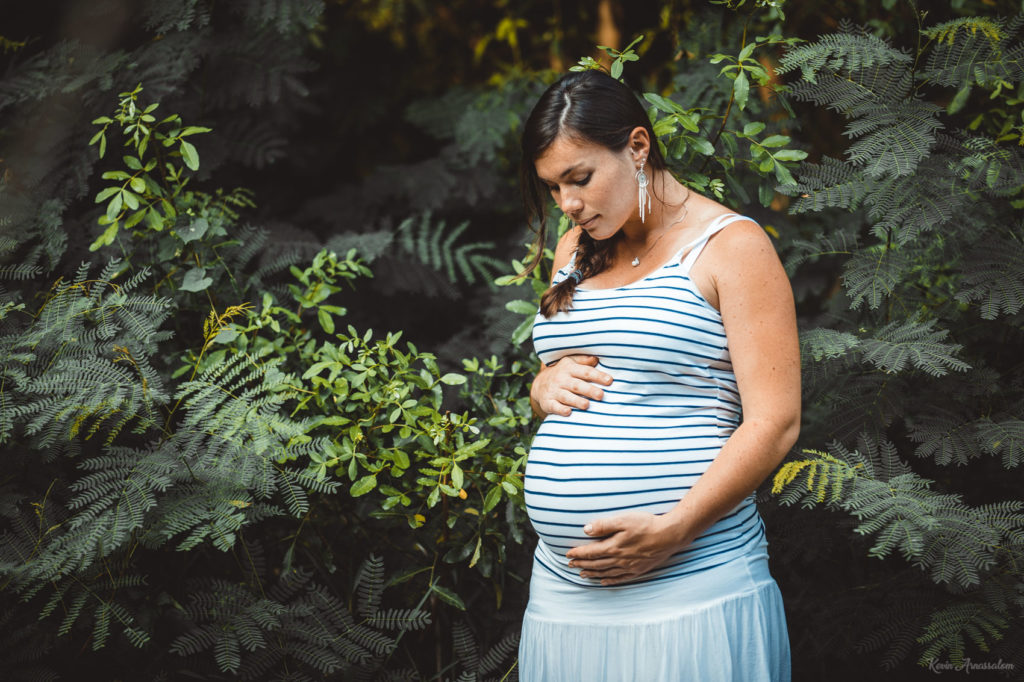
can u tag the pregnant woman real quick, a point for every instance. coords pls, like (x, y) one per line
(670, 390)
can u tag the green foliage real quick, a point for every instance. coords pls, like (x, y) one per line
(211, 458)
(264, 414)
(921, 368)
(935, 531)
(295, 620)
(619, 59)
(435, 246)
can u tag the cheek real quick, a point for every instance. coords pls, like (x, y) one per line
(619, 196)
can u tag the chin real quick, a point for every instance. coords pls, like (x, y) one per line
(601, 235)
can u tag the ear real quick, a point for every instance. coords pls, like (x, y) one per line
(639, 143)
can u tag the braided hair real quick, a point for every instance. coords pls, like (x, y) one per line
(591, 106)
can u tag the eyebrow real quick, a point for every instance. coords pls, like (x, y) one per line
(564, 174)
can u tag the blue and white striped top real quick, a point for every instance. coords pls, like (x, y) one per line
(672, 404)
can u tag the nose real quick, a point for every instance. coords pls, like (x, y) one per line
(571, 202)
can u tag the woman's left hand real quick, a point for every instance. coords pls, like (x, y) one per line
(632, 544)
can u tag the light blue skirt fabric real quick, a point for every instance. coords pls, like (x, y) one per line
(723, 624)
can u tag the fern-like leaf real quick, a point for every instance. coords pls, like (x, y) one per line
(898, 345)
(994, 275)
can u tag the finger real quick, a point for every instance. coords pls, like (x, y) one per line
(584, 388)
(606, 574)
(603, 549)
(599, 528)
(590, 374)
(572, 399)
(555, 407)
(597, 564)
(585, 360)
(598, 376)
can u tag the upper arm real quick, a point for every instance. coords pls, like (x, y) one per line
(756, 303)
(564, 249)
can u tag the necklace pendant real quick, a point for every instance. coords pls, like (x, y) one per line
(636, 262)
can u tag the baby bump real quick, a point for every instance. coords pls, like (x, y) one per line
(572, 478)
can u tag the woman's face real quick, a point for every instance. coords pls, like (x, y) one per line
(593, 185)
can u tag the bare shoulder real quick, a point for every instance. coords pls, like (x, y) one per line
(565, 248)
(738, 248)
(740, 259)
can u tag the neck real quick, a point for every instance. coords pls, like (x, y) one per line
(667, 206)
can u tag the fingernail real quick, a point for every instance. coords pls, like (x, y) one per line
(588, 529)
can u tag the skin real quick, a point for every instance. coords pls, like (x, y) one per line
(740, 275)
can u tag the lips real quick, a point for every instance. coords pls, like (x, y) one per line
(588, 222)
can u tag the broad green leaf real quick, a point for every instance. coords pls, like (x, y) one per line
(363, 485)
(114, 207)
(225, 336)
(783, 174)
(665, 126)
(775, 141)
(138, 184)
(958, 101)
(192, 130)
(453, 379)
(753, 128)
(703, 146)
(196, 280)
(325, 319)
(492, 498)
(690, 122)
(523, 331)
(448, 596)
(190, 155)
(106, 238)
(134, 219)
(741, 89)
(521, 307)
(790, 155)
(106, 194)
(195, 230)
(663, 103)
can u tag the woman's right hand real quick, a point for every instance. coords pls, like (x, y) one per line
(571, 382)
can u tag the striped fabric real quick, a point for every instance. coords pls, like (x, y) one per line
(671, 406)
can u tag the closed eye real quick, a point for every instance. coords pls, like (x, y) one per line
(584, 180)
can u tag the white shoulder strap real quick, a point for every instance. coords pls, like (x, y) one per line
(698, 244)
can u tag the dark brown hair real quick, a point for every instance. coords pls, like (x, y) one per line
(586, 105)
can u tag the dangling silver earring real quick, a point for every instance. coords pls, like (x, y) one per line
(642, 195)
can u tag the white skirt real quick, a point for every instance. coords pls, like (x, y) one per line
(722, 624)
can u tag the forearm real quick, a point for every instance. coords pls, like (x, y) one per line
(752, 452)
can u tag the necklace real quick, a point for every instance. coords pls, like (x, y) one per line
(636, 259)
